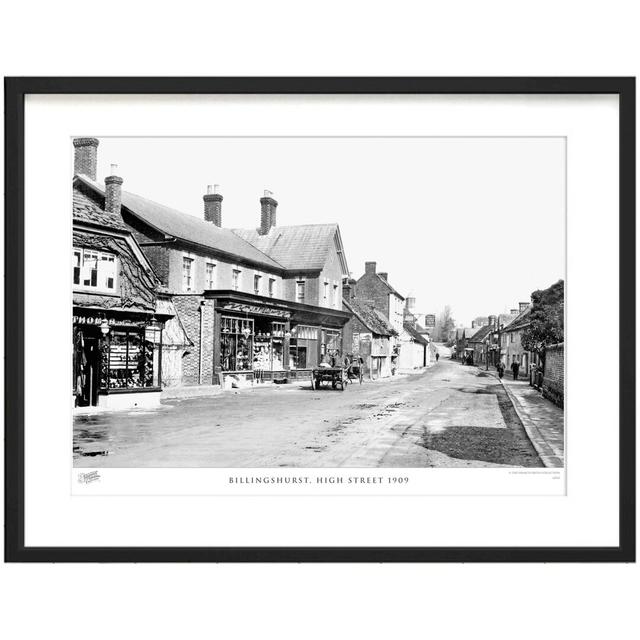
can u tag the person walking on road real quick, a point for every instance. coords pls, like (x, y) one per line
(437, 356)
(515, 367)
(500, 369)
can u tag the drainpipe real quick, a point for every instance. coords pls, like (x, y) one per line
(202, 303)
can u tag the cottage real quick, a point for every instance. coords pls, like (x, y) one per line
(119, 307)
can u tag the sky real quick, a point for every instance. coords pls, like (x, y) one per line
(474, 223)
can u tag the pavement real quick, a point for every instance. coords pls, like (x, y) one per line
(543, 421)
(447, 416)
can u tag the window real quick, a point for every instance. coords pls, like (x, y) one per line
(132, 359)
(512, 336)
(272, 287)
(94, 270)
(236, 344)
(256, 284)
(187, 274)
(300, 291)
(210, 275)
(235, 279)
(335, 295)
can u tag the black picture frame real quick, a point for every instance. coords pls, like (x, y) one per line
(15, 91)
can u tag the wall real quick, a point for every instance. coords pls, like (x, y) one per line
(370, 289)
(222, 274)
(197, 317)
(553, 379)
(332, 273)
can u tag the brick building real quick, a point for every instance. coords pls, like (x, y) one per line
(373, 289)
(368, 334)
(119, 306)
(253, 303)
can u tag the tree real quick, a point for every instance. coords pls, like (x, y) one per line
(546, 319)
(444, 325)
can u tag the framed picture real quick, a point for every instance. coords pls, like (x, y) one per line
(320, 319)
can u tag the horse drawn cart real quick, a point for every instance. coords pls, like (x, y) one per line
(325, 376)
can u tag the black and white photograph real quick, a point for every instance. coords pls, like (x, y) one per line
(318, 302)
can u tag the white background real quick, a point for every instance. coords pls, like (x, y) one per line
(490, 38)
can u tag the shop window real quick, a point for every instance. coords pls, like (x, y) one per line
(94, 270)
(131, 359)
(300, 291)
(236, 344)
(187, 274)
(210, 275)
(256, 284)
(235, 279)
(272, 287)
(268, 345)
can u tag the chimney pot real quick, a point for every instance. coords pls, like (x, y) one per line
(213, 205)
(268, 206)
(85, 156)
(113, 193)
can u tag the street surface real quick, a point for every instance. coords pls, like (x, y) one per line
(448, 416)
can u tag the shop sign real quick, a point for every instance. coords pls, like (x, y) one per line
(430, 320)
(112, 322)
(256, 309)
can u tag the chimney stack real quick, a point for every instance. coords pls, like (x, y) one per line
(268, 206)
(473, 324)
(384, 275)
(370, 267)
(85, 157)
(213, 205)
(523, 306)
(411, 303)
(348, 289)
(492, 321)
(113, 192)
(514, 312)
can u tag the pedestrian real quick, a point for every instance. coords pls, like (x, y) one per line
(437, 356)
(515, 367)
(500, 369)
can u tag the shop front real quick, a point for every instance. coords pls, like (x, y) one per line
(117, 359)
(258, 339)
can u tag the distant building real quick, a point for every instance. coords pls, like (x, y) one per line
(368, 335)
(374, 289)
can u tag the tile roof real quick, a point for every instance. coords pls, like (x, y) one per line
(481, 333)
(304, 247)
(520, 321)
(416, 335)
(86, 209)
(189, 228)
(370, 317)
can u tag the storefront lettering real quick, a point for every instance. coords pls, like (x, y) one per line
(250, 308)
(112, 322)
